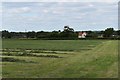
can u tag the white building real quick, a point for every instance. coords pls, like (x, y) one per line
(82, 34)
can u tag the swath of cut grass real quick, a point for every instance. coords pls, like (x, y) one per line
(31, 55)
(9, 59)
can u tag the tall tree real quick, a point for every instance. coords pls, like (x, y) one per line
(68, 32)
(31, 34)
(6, 34)
(108, 32)
(68, 29)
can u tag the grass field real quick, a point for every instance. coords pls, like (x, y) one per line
(60, 58)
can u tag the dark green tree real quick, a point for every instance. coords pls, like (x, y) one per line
(31, 34)
(54, 35)
(118, 32)
(108, 32)
(6, 34)
(68, 32)
(68, 29)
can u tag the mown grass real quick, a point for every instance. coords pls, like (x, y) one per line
(64, 45)
(86, 58)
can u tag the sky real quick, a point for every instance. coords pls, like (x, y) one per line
(54, 15)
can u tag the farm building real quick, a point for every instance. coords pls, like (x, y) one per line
(82, 34)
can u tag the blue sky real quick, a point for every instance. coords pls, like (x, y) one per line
(49, 16)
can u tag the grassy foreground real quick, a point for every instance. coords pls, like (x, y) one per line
(80, 58)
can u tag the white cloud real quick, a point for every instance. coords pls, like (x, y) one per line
(59, 0)
(0, 11)
(78, 18)
(60, 13)
(18, 10)
(55, 12)
(0, 8)
(60, 3)
(93, 23)
(33, 19)
(39, 4)
(91, 5)
(45, 11)
(0, 16)
(25, 9)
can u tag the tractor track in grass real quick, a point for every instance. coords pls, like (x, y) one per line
(97, 60)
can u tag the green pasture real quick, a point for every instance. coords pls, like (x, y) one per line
(59, 58)
(51, 44)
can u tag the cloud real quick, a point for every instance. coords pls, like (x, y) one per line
(91, 5)
(59, 14)
(1, 16)
(0, 11)
(59, 0)
(59, 11)
(45, 11)
(18, 10)
(0, 8)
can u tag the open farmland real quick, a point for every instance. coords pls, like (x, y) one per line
(59, 58)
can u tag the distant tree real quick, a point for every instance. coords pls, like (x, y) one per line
(101, 32)
(59, 31)
(89, 32)
(42, 34)
(31, 34)
(118, 32)
(54, 34)
(0, 34)
(13, 34)
(68, 32)
(108, 32)
(6, 34)
(68, 29)
(92, 34)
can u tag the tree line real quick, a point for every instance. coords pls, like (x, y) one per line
(67, 33)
